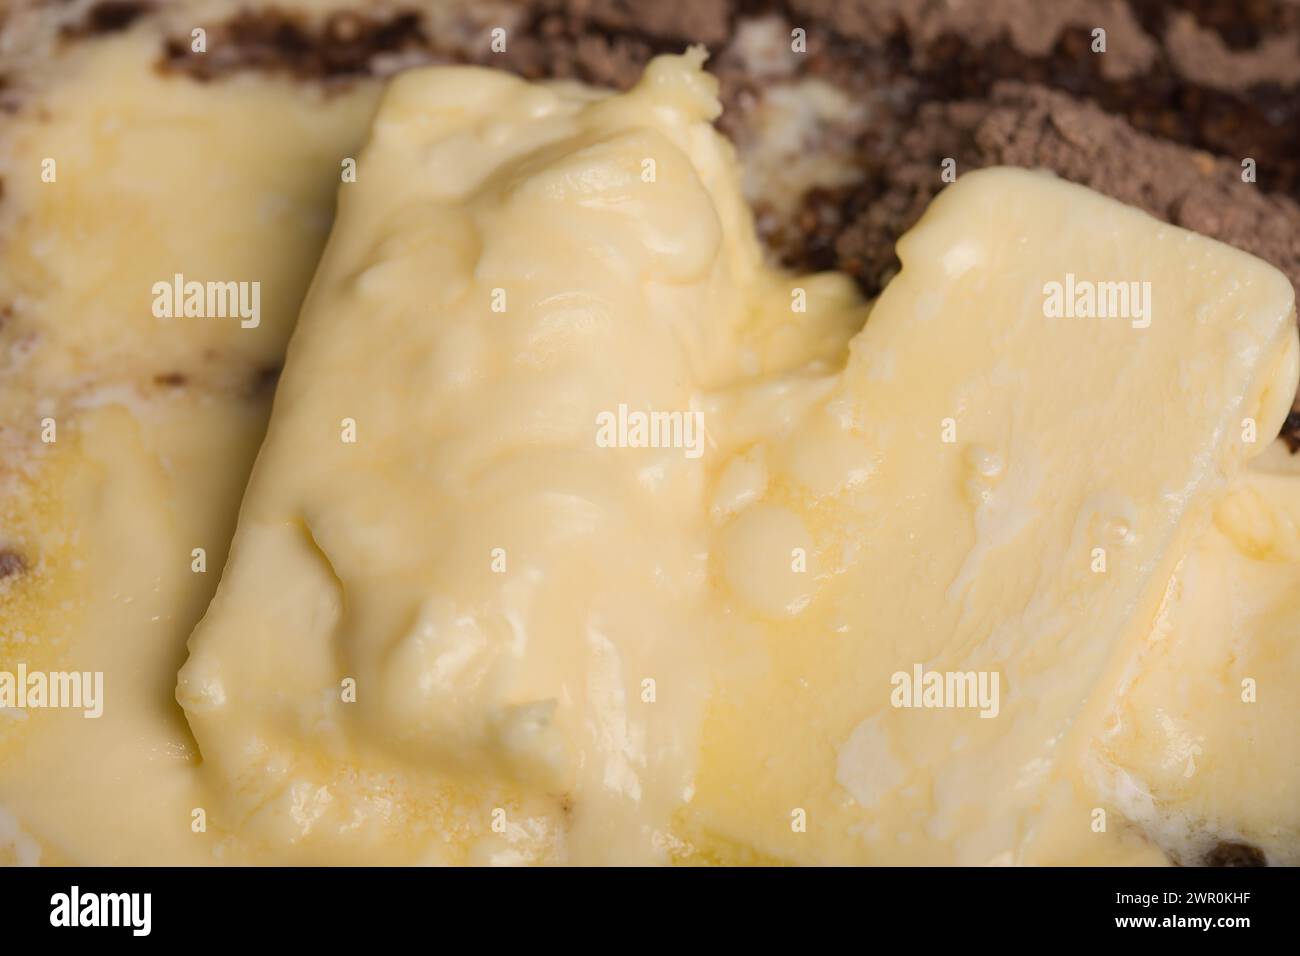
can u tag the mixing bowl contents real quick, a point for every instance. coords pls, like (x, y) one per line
(535, 506)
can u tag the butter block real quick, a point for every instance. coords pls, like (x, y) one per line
(992, 496)
(447, 577)
(464, 622)
(1198, 747)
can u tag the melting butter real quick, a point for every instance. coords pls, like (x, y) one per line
(681, 657)
(458, 627)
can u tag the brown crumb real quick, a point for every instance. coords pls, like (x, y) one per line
(345, 45)
(11, 564)
(1228, 853)
(1291, 430)
(265, 380)
(853, 229)
(110, 16)
(685, 21)
(171, 379)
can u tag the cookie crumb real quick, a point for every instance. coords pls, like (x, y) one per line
(11, 564)
(1228, 853)
(109, 16)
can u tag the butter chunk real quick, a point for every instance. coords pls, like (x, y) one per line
(459, 625)
(434, 520)
(987, 490)
(1198, 748)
